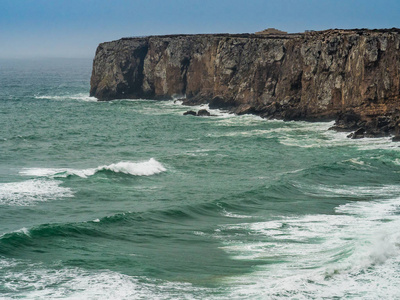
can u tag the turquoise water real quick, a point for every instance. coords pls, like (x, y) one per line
(130, 199)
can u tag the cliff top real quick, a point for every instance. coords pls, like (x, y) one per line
(276, 34)
(237, 35)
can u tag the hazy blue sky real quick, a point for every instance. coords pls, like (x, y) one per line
(74, 28)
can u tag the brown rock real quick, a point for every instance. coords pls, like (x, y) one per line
(348, 75)
(244, 109)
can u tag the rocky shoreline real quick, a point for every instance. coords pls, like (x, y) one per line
(351, 76)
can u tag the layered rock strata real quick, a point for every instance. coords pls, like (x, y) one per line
(352, 76)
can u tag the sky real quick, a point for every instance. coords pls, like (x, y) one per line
(74, 28)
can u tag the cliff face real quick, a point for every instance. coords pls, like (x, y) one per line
(350, 75)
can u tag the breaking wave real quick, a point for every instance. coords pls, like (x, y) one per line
(146, 168)
(354, 251)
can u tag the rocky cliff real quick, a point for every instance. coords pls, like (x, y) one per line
(352, 76)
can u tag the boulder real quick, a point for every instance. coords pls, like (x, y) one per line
(203, 113)
(190, 112)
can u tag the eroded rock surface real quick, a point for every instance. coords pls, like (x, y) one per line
(352, 76)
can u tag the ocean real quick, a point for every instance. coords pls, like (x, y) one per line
(130, 199)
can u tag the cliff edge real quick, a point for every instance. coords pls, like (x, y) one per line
(352, 76)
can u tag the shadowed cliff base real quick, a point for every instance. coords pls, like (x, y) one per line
(351, 76)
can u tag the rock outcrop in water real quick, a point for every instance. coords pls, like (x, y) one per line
(352, 76)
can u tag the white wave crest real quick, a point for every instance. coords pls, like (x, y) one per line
(80, 97)
(37, 282)
(146, 168)
(31, 191)
(353, 253)
(21, 231)
(57, 172)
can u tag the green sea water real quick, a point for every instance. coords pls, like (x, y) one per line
(129, 199)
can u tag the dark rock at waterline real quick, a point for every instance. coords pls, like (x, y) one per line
(200, 113)
(203, 113)
(349, 121)
(358, 134)
(190, 112)
(339, 128)
(396, 137)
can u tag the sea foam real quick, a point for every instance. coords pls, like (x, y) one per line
(38, 282)
(351, 253)
(80, 97)
(31, 191)
(146, 168)
(317, 135)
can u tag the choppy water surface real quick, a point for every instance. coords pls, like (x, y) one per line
(130, 199)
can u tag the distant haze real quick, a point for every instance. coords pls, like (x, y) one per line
(73, 28)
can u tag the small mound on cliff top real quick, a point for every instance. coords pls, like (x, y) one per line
(271, 31)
